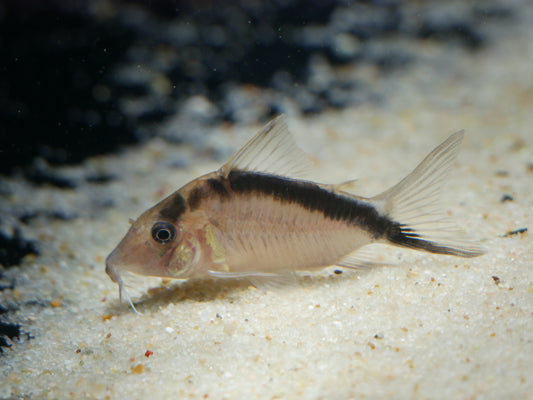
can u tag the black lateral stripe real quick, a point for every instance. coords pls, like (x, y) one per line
(404, 236)
(174, 208)
(313, 198)
(400, 237)
(205, 189)
(195, 197)
(217, 186)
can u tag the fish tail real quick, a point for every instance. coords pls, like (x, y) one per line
(412, 206)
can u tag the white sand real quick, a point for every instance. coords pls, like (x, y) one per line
(431, 326)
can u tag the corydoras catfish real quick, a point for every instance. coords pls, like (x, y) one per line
(251, 219)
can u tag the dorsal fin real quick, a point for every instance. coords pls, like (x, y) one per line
(343, 187)
(271, 151)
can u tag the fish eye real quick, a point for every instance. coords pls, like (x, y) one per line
(163, 232)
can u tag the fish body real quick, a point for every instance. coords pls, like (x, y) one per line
(251, 219)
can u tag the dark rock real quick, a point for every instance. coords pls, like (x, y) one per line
(8, 331)
(515, 232)
(28, 216)
(13, 249)
(100, 178)
(444, 30)
(39, 174)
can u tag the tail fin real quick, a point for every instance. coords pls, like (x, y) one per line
(413, 205)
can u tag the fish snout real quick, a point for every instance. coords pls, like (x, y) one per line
(111, 267)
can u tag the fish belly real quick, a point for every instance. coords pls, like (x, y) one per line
(263, 235)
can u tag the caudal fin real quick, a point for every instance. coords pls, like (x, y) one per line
(413, 205)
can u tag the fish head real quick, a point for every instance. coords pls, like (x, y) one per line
(155, 246)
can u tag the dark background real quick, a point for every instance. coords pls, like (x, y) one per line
(79, 78)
